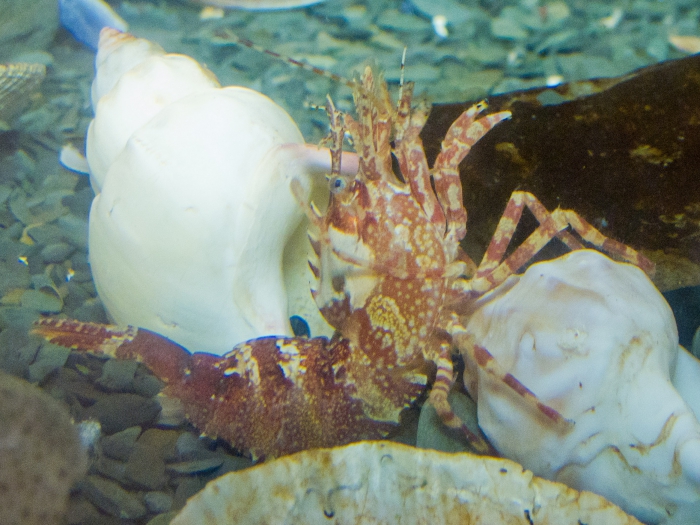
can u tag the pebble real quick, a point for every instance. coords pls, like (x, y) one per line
(75, 229)
(90, 311)
(17, 351)
(117, 375)
(121, 411)
(146, 384)
(230, 464)
(121, 444)
(57, 252)
(76, 385)
(433, 434)
(199, 466)
(46, 234)
(397, 21)
(111, 498)
(455, 11)
(189, 447)
(82, 512)
(146, 463)
(187, 487)
(112, 469)
(508, 28)
(163, 519)
(162, 442)
(49, 358)
(47, 303)
(158, 502)
(146, 467)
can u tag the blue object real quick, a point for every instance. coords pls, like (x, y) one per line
(86, 18)
(685, 303)
(299, 326)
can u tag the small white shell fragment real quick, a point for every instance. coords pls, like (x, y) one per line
(70, 158)
(440, 26)
(596, 341)
(211, 13)
(687, 44)
(612, 21)
(385, 483)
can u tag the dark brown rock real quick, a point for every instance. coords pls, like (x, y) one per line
(121, 411)
(109, 497)
(625, 158)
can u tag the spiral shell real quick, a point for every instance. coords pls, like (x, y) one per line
(193, 211)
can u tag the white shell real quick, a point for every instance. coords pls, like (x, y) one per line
(386, 483)
(193, 211)
(595, 340)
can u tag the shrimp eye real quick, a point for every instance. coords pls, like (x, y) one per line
(338, 184)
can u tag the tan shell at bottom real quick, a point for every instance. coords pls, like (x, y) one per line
(383, 482)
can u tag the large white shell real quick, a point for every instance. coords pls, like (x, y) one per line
(193, 211)
(595, 340)
(389, 483)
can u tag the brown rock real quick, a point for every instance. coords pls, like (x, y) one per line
(40, 455)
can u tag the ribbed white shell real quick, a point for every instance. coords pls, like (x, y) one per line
(595, 340)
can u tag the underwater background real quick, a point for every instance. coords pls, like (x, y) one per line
(149, 460)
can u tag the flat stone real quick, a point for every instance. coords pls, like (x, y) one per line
(121, 445)
(75, 229)
(146, 468)
(56, 252)
(112, 469)
(76, 385)
(186, 488)
(190, 447)
(230, 464)
(17, 351)
(146, 464)
(146, 384)
(49, 358)
(163, 442)
(163, 519)
(82, 512)
(456, 12)
(508, 28)
(118, 375)
(433, 434)
(18, 317)
(198, 466)
(396, 21)
(13, 274)
(91, 310)
(120, 411)
(158, 502)
(45, 234)
(109, 497)
(43, 302)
